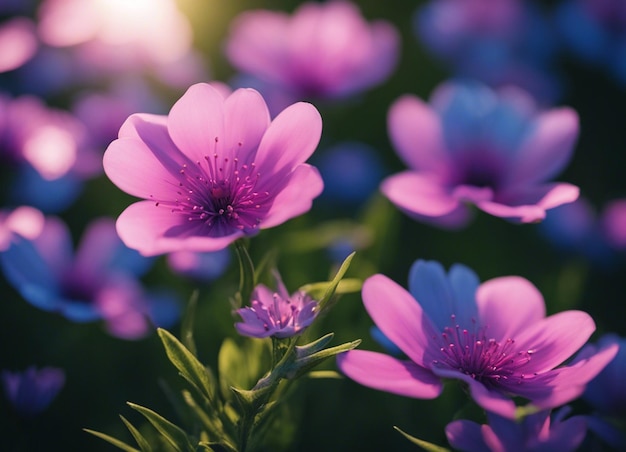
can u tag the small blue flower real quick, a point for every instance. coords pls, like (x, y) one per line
(31, 391)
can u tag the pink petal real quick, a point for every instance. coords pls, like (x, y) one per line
(18, 42)
(149, 230)
(296, 198)
(508, 305)
(416, 133)
(570, 382)
(256, 43)
(290, 140)
(383, 372)
(492, 401)
(400, 317)
(558, 194)
(196, 122)
(135, 168)
(548, 150)
(523, 213)
(419, 194)
(554, 339)
(246, 120)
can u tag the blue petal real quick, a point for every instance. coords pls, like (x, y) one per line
(25, 269)
(49, 196)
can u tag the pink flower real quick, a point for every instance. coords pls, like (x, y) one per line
(494, 337)
(18, 42)
(324, 50)
(214, 170)
(473, 145)
(277, 313)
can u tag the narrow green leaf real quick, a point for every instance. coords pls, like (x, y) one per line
(324, 374)
(116, 442)
(335, 281)
(246, 269)
(305, 363)
(171, 432)
(142, 442)
(318, 289)
(186, 363)
(218, 447)
(186, 326)
(429, 447)
(211, 423)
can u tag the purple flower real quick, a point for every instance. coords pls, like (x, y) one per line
(472, 145)
(99, 281)
(613, 223)
(214, 170)
(537, 432)
(494, 337)
(499, 42)
(277, 313)
(31, 392)
(324, 50)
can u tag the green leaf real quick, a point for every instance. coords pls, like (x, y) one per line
(430, 447)
(142, 442)
(187, 364)
(242, 365)
(324, 374)
(330, 291)
(317, 290)
(246, 269)
(186, 326)
(171, 432)
(305, 361)
(218, 447)
(116, 442)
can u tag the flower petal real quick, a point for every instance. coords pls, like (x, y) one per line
(420, 194)
(508, 305)
(290, 140)
(246, 119)
(554, 339)
(416, 133)
(400, 318)
(522, 213)
(304, 184)
(548, 150)
(153, 230)
(385, 373)
(196, 122)
(466, 436)
(442, 296)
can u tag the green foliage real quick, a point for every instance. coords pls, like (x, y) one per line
(429, 447)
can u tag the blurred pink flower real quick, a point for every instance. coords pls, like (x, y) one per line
(614, 223)
(113, 36)
(214, 170)
(494, 337)
(18, 43)
(324, 50)
(24, 221)
(52, 141)
(473, 145)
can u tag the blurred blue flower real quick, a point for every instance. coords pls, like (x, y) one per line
(536, 432)
(595, 32)
(99, 281)
(31, 391)
(351, 172)
(500, 42)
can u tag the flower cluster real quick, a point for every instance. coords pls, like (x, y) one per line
(171, 168)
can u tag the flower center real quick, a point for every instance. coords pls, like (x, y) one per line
(220, 194)
(482, 358)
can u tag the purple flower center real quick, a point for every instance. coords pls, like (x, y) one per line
(220, 195)
(484, 359)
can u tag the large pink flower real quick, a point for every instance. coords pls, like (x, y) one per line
(494, 337)
(473, 145)
(325, 50)
(213, 170)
